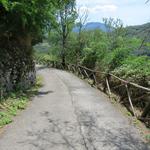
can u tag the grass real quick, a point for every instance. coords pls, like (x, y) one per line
(15, 102)
(148, 138)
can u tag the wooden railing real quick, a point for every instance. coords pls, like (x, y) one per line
(87, 73)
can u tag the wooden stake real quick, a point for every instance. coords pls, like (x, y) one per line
(108, 87)
(68, 67)
(86, 73)
(95, 81)
(130, 101)
(80, 72)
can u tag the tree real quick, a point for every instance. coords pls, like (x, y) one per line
(21, 23)
(25, 20)
(66, 16)
(81, 21)
(115, 31)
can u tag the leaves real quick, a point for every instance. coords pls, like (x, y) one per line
(135, 69)
(27, 16)
(5, 4)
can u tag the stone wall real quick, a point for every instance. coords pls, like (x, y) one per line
(17, 69)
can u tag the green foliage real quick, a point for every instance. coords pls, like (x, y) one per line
(15, 102)
(10, 108)
(66, 16)
(112, 51)
(44, 58)
(45, 54)
(113, 59)
(22, 22)
(4, 119)
(117, 56)
(148, 137)
(24, 17)
(90, 58)
(96, 47)
(115, 32)
(135, 69)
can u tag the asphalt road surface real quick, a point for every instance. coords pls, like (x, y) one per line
(68, 114)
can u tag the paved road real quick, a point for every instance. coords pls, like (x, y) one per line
(68, 114)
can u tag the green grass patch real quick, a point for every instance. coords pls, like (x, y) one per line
(15, 102)
(148, 138)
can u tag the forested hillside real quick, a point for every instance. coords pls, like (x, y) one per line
(139, 31)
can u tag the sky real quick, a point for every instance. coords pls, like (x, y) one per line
(131, 12)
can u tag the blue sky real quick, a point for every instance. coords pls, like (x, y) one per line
(131, 12)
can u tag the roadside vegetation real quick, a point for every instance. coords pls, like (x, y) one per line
(17, 101)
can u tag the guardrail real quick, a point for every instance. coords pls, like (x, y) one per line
(92, 75)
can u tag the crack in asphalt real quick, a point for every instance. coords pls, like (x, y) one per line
(88, 142)
(45, 137)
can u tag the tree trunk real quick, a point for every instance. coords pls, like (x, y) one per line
(63, 57)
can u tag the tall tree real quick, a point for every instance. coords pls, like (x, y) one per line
(25, 19)
(66, 16)
(115, 31)
(81, 21)
(21, 22)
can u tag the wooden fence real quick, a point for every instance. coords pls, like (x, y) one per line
(87, 73)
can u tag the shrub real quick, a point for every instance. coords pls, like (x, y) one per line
(135, 69)
(89, 58)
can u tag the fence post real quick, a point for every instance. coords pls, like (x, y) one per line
(68, 67)
(80, 71)
(129, 98)
(74, 70)
(108, 86)
(86, 73)
(94, 76)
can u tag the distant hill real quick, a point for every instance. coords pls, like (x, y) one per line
(92, 26)
(139, 31)
(95, 25)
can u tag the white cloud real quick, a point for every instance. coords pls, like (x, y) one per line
(132, 12)
(94, 2)
(99, 8)
(104, 8)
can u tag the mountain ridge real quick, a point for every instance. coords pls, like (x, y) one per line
(92, 26)
(138, 31)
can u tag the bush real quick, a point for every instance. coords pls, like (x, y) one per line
(89, 58)
(136, 69)
(118, 56)
(44, 58)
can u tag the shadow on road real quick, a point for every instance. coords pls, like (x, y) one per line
(41, 93)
